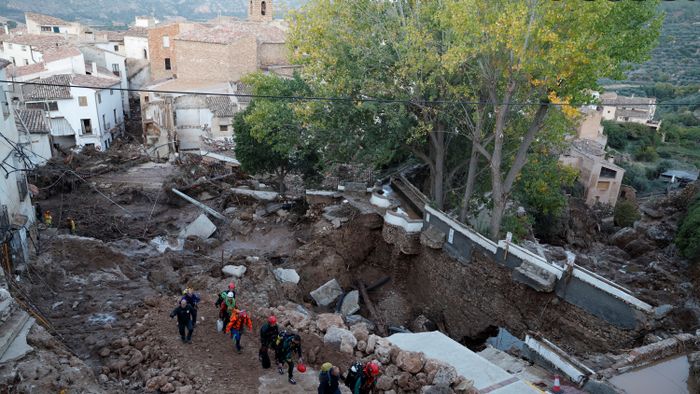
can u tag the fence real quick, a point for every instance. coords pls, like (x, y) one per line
(578, 286)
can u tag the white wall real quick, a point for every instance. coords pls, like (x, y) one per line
(115, 58)
(11, 50)
(135, 47)
(74, 113)
(9, 191)
(111, 103)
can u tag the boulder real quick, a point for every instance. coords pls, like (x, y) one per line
(410, 361)
(136, 358)
(327, 293)
(361, 346)
(623, 237)
(463, 386)
(436, 390)
(297, 320)
(326, 320)
(432, 238)
(340, 336)
(104, 352)
(235, 271)
(383, 354)
(360, 332)
(346, 347)
(187, 389)
(167, 388)
(351, 303)
(286, 275)
(201, 227)
(661, 233)
(351, 320)
(385, 382)
(422, 324)
(446, 375)
(371, 343)
(407, 382)
(156, 382)
(638, 247)
(662, 311)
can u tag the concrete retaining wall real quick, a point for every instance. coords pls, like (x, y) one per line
(587, 290)
(403, 221)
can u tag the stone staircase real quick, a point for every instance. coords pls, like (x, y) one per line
(15, 324)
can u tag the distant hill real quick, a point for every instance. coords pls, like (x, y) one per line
(121, 12)
(677, 57)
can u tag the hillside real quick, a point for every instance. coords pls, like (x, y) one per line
(117, 13)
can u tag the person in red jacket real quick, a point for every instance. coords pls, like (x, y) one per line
(239, 320)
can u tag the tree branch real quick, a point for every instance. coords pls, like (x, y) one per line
(521, 156)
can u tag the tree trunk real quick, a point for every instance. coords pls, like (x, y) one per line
(499, 207)
(471, 179)
(438, 149)
(280, 182)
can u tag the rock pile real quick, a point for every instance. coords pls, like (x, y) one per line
(402, 371)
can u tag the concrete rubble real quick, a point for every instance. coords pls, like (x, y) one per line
(286, 275)
(351, 303)
(327, 293)
(236, 271)
(201, 227)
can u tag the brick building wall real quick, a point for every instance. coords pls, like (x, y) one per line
(273, 53)
(260, 10)
(159, 49)
(216, 62)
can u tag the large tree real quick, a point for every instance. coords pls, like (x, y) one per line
(489, 71)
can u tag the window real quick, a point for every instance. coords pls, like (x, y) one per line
(167, 63)
(82, 101)
(145, 54)
(603, 186)
(53, 105)
(114, 111)
(116, 48)
(86, 126)
(99, 98)
(46, 29)
(26, 62)
(36, 106)
(56, 29)
(111, 92)
(24, 48)
(223, 128)
(12, 59)
(115, 69)
(104, 122)
(607, 173)
(263, 8)
(166, 42)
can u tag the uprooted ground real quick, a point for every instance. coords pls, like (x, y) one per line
(108, 292)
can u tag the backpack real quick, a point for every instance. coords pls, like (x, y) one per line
(354, 374)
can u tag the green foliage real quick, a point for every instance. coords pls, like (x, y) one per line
(542, 183)
(617, 136)
(635, 176)
(519, 225)
(626, 213)
(256, 156)
(688, 236)
(646, 153)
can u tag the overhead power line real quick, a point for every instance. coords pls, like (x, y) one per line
(333, 99)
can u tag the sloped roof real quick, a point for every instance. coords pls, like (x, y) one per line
(136, 31)
(25, 70)
(221, 106)
(31, 120)
(52, 91)
(45, 19)
(226, 34)
(61, 52)
(30, 92)
(38, 41)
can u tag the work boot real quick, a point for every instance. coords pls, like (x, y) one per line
(280, 371)
(292, 381)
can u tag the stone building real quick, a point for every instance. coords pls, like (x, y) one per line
(46, 24)
(629, 109)
(600, 177)
(161, 48)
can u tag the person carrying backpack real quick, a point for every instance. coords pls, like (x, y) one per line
(329, 379)
(268, 335)
(361, 379)
(224, 294)
(192, 300)
(239, 320)
(228, 305)
(285, 346)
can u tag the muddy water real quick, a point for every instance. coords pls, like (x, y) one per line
(668, 377)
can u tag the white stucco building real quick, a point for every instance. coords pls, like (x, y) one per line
(77, 117)
(16, 211)
(46, 24)
(629, 109)
(136, 43)
(107, 64)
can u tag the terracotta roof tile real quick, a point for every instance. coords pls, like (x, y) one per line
(221, 106)
(49, 91)
(31, 120)
(226, 34)
(58, 53)
(38, 41)
(45, 19)
(25, 70)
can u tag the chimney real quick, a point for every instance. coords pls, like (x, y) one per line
(94, 68)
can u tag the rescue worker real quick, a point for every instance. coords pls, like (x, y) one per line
(239, 320)
(70, 223)
(223, 294)
(48, 219)
(268, 335)
(329, 379)
(285, 346)
(227, 306)
(184, 320)
(192, 300)
(361, 379)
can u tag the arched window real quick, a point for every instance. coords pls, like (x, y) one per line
(263, 8)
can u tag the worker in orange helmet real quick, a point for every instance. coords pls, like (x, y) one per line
(239, 320)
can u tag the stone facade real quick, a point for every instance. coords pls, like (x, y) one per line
(206, 61)
(260, 10)
(161, 46)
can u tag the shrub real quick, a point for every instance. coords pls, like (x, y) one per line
(688, 236)
(626, 213)
(646, 153)
(635, 176)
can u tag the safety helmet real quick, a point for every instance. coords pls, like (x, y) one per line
(231, 286)
(326, 367)
(242, 313)
(230, 294)
(372, 369)
(272, 320)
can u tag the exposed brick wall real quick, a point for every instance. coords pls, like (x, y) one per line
(255, 10)
(158, 54)
(216, 62)
(273, 54)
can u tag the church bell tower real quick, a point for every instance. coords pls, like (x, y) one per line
(260, 10)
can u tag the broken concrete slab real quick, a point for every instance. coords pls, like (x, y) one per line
(236, 271)
(198, 204)
(327, 293)
(351, 303)
(162, 243)
(286, 275)
(535, 277)
(201, 227)
(256, 194)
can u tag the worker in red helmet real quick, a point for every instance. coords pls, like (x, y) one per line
(361, 379)
(238, 322)
(268, 335)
